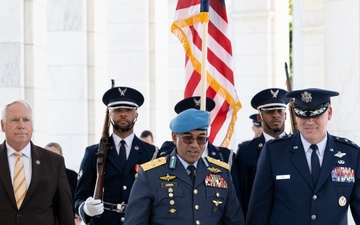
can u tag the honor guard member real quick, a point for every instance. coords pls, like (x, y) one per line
(183, 187)
(221, 153)
(310, 177)
(256, 125)
(271, 105)
(123, 160)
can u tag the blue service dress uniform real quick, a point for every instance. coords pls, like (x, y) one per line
(246, 161)
(220, 153)
(284, 193)
(164, 194)
(117, 182)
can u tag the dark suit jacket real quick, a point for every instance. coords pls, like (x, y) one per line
(72, 179)
(117, 184)
(48, 198)
(246, 161)
(284, 193)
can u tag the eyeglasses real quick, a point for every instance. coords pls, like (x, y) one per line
(201, 140)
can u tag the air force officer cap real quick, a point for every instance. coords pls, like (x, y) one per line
(193, 102)
(189, 120)
(311, 102)
(269, 99)
(123, 97)
(255, 121)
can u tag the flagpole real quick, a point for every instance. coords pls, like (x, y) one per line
(204, 65)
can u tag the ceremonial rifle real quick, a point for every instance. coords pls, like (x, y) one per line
(103, 149)
(291, 102)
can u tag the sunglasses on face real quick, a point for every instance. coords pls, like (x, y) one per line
(187, 139)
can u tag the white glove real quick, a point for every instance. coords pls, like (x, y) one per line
(93, 207)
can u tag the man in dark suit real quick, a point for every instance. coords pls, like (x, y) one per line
(216, 152)
(271, 105)
(122, 162)
(70, 174)
(43, 196)
(310, 177)
(183, 187)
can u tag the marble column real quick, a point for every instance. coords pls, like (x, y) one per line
(23, 57)
(260, 32)
(68, 78)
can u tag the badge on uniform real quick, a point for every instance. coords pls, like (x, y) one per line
(214, 170)
(215, 181)
(342, 201)
(343, 174)
(168, 177)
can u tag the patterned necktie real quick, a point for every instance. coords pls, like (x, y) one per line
(122, 153)
(192, 173)
(19, 180)
(315, 164)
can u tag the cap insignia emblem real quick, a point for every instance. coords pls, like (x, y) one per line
(306, 96)
(122, 92)
(197, 102)
(274, 93)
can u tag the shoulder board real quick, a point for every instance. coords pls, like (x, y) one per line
(346, 141)
(218, 162)
(153, 163)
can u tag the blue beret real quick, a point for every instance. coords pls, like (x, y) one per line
(270, 98)
(193, 102)
(123, 97)
(255, 121)
(311, 102)
(189, 120)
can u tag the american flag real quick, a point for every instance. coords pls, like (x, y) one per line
(189, 18)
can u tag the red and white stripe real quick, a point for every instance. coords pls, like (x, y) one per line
(220, 78)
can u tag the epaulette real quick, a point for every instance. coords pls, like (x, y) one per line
(346, 141)
(218, 162)
(153, 163)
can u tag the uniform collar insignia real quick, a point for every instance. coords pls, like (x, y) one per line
(122, 92)
(339, 154)
(306, 96)
(274, 93)
(168, 177)
(214, 170)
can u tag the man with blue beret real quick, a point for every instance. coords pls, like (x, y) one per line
(310, 177)
(271, 106)
(184, 187)
(216, 152)
(123, 160)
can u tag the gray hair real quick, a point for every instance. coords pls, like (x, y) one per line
(22, 101)
(55, 145)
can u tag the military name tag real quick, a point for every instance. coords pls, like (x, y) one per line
(169, 185)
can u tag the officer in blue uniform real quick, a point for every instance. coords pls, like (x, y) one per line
(256, 127)
(120, 169)
(310, 177)
(183, 187)
(216, 152)
(271, 105)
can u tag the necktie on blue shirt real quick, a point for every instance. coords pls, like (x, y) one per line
(315, 164)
